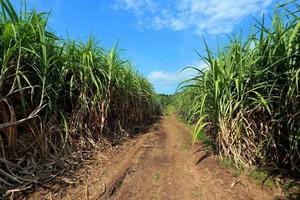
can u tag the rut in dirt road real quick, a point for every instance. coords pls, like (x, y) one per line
(166, 166)
(160, 164)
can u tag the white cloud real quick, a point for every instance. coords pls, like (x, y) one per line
(211, 16)
(170, 78)
(138, 6)
(166, 81)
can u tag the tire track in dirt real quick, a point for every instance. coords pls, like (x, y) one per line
(161, 164)
(166, 168)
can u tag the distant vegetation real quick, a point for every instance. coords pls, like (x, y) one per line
(247, 100)
(165, 100)
(58, 97)
(61, 98)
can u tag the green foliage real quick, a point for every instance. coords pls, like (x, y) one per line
(57, 97)
(261, 177)
(203, 137)
(165, 100)
(247, 98)
(156, 176)
(170, 109)
(229, 165)
(254, 174)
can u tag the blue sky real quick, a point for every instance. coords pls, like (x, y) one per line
(159, 36)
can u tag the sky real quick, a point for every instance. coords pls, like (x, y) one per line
(158, 36)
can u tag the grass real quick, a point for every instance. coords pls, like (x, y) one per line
(201, 136)
(156, 176)
(254, 174)
(169, 110)
(261, 177)
(204, 138)
(231, 167)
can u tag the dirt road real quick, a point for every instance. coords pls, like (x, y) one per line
(160, 164)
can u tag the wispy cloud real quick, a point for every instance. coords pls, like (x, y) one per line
(168, 81)
(138, 6)
(170, 78)
(210, 16)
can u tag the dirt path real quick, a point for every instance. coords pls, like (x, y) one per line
(160, 164)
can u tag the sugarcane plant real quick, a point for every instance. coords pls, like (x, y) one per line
(60, 96)
(247, 99)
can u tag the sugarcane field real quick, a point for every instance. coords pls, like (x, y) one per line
(150, 100)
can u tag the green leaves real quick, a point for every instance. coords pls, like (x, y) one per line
(249, 94)
(199, 127)
(57, 96)
(8, 9)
